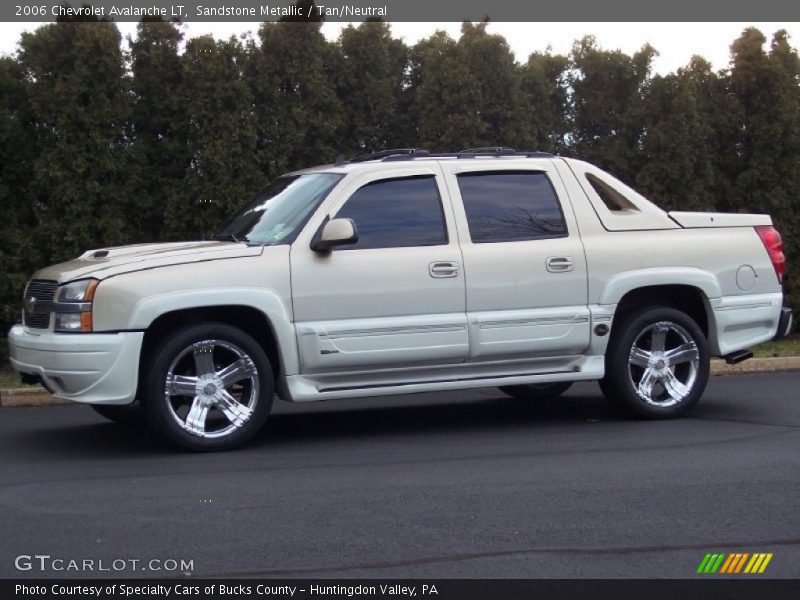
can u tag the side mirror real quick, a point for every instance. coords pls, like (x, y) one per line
(333, 233)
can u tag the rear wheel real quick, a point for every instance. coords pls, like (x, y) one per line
(208, 387)
(657, 364)
(536, 391)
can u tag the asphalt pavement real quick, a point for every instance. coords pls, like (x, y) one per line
(461, 484)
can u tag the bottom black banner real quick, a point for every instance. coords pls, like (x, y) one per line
(371, 589)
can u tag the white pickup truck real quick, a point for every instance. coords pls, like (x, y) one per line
(407, 271)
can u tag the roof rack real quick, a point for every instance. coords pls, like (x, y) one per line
(478, 153)
(488, 150)
(383, 154)
(412, 153)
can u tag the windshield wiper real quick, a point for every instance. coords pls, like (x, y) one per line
(226, 237)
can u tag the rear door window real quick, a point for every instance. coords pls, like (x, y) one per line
(510, 206)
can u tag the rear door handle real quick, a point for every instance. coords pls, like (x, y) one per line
(560, 264)
(443, 269)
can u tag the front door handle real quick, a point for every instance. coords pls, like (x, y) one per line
(560, 264)
(443, 269)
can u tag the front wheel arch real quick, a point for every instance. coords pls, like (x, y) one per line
(246, 318)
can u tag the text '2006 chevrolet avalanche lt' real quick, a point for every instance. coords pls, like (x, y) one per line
(407, 271)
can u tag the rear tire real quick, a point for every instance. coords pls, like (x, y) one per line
(657, 364)
(208, 387)
(536, 391)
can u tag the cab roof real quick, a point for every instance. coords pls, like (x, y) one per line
(404, 155)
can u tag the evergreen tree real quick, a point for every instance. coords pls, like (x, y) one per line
(447, 96)
(222, 170)
(300, 118)
(497, 77)
(79, 99)
(680, 168)
(768, 148)
(159, 153)
(371, 79)
(19, 235)
(606, 106)
(545, 100)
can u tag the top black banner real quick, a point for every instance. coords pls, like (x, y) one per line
(404, 10)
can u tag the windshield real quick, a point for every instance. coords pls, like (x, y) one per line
(279, 211)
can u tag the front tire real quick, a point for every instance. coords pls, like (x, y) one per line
(657, 364)
(208, 387)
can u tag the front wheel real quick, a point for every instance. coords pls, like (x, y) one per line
(657, 364)
(208, 387)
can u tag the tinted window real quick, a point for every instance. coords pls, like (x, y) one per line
(613, 199)
(396, 212)
(508, 206)
(278, 212)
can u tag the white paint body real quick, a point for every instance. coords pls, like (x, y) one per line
(374, 322)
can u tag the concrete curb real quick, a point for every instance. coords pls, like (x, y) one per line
(756, 365)
(38, 396)
(28, 396)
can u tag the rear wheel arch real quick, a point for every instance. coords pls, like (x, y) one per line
(688, 299)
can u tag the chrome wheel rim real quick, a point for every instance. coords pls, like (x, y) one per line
(212, 388)
(663, 364)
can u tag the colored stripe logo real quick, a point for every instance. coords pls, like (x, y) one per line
(736, 562)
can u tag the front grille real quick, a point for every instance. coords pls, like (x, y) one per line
(39, 292)
(37, 320)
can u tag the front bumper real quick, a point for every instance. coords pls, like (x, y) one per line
(97, 368)
(784, 323)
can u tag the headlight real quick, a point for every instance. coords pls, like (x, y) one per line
(77, 291)
(73, 306)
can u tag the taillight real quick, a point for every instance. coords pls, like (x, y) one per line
(774, 245)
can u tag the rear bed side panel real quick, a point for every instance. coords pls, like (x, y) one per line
(721, 262)
(728, 264)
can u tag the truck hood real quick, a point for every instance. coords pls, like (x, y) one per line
(107, 262)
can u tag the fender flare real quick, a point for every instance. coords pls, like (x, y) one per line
(622, 283)
(268, 303)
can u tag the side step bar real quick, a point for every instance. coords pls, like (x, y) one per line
(737, 357)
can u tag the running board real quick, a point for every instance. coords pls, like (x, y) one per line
(346, 388)
(306, 389)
